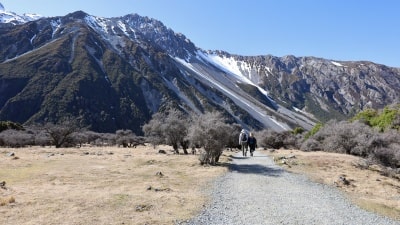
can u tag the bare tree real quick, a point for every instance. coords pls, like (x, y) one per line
(169, 128)
(153, 130)
(210, 132)
(61, 134)
(79, 138)
(127, 138)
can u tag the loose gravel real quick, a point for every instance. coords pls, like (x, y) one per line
(256, 191)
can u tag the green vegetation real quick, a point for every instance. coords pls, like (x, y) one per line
(5, 125)
(371, 134)
(298, 130)
(314, 130)
(388, 118)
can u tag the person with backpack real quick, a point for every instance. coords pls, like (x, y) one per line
(243, 142)
(252, 141)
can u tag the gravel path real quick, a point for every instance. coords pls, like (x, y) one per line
(256, 191)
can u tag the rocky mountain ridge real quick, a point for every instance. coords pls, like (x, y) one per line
(114, 73)
(7, 17)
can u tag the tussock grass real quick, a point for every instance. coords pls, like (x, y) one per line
(70, 187)
(7, 200)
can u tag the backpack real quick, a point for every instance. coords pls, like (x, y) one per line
(244, 137)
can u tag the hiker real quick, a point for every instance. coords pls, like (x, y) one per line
(243, 141)
(252, 141)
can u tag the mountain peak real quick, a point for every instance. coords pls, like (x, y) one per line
(78, 14)
(13, 18)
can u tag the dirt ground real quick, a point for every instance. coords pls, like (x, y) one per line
(110, 185)
(365, 187)
(101, 185)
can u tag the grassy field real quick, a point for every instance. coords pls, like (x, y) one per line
(101, 185)
(110, 185)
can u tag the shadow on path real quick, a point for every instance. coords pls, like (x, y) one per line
(247, 157)
(254, 168)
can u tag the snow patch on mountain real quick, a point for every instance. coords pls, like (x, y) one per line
(233, 67)
(236, 95)
(107, 28)
(55, 25)
(336, 63)
(229, 65)
(33, 38)
(13, 18)
(122, 26)
(97, 23)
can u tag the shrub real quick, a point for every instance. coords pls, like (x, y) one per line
(5, 125)
(61, 134)
(42, 138)
(169, 128)
(311, 145)
(210, 132)
(358, 139)
(314, 130)
(388, 156)
(365, 116)
(298, 130)
(388, 118)
(385, 119)
(126, 138)
(276, 140)
(345, 137)
(16, 138)
(5, 201)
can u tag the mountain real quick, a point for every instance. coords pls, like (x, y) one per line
(13, 18)
(114, 73)
(327, 89)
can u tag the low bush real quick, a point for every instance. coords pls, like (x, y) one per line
(311, 144)
(357, 138)
(276, 140)
(388, 118)
(5, 125)
(6, 201)
(210, 131)
(16, 138)
(388, 156)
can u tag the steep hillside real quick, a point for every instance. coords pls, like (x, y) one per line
(114, 73)
(325, 88)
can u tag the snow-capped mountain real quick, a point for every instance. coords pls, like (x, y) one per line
(13, 18)
(114, 73)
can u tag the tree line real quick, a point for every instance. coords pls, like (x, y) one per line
(209, 133)
(371, 134)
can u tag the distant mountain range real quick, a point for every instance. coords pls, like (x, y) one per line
(114, 73)
(13, 18)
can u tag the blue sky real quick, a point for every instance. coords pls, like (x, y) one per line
(332, 29)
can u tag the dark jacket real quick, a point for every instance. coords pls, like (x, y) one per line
(252, 141)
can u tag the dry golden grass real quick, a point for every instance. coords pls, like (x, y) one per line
(367, 187)
(8, 200)
(101, 185)
(109, 185)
